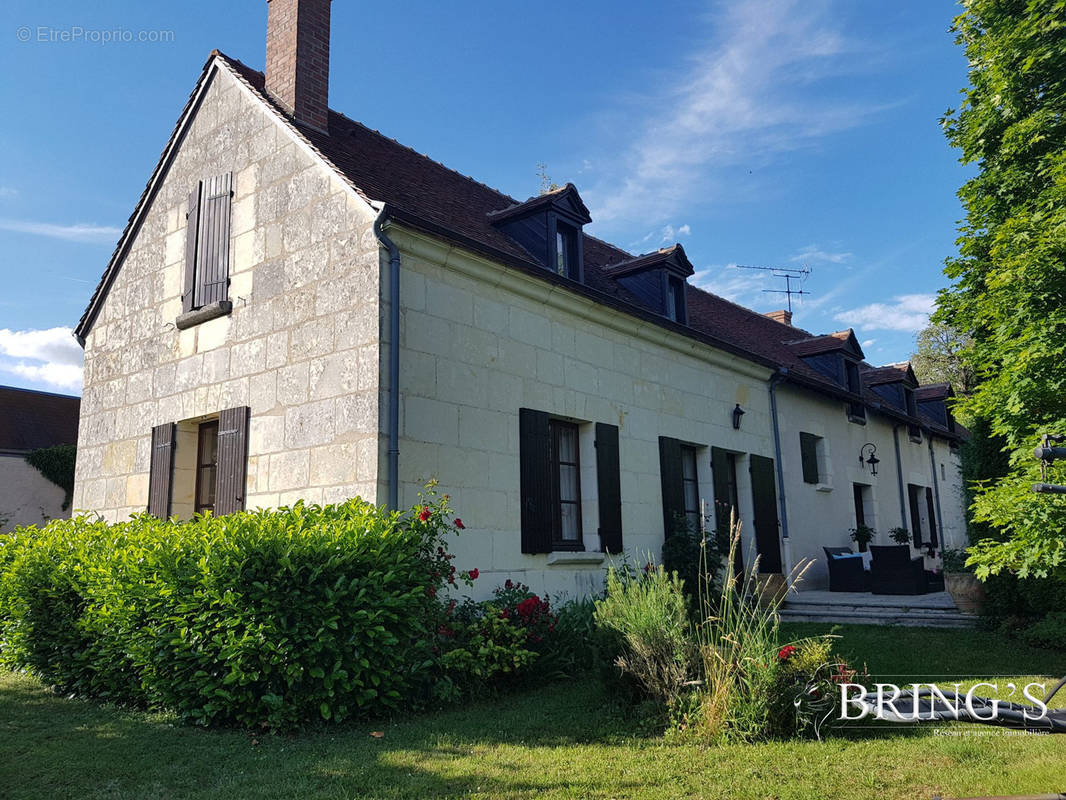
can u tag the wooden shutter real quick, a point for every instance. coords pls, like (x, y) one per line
(916, 514)
(534, 444)
(609, 487)
(723, 502)
(670, 473)
(161, 471)
(765, 522)
(232, 471)
(212, 263)
(809, 457)
(933, 538)
(192, 241)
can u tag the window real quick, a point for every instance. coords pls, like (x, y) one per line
(675, 299)
(856, 408)
(861, 495)
(206, 466)
(690, 485)
(913, 431)
(566, 251)
(809, 446)
(199, 465)
(566, 468)
(207, 244)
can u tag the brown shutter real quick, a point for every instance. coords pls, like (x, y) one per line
(212, 273)
(161, 471)
(765, 519)
(809, 457)
(232, 470)
(192, 240)
(609, 487)
(933, 539)
(672, 483)
(534, 444)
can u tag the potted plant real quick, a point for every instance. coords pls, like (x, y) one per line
(966, 591)
(900, 535)
(862, 535)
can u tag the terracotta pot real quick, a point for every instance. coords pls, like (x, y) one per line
(772, 588)
(966, 591)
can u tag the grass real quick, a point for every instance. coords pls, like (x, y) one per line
(558, 741)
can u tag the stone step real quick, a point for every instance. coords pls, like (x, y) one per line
(873, 616)
(849, 608)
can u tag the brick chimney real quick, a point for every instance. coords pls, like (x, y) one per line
(777, 316)
(297, 59)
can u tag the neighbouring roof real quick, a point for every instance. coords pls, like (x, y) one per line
(827, 343)
(422, 193)
(31, 420)
(893, 373)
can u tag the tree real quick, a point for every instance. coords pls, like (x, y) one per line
(941, 357)
(1009, 278)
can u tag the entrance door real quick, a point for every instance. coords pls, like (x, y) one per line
(764, 498)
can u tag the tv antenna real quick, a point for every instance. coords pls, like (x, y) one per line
(798, 274)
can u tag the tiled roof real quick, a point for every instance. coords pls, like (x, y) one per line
(425, 194)
(826, 343)
(933, 391)
(31, 420)
(875, 376)
(675, 255)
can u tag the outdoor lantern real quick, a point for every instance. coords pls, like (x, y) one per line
(871, 459)
(738, 412)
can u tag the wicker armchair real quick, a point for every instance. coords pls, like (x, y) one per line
(893, 571)
(845, 574)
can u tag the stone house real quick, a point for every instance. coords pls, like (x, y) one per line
(30, 421)
(303, 308)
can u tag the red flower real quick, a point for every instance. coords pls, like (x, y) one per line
(473, 574)
(529, 606)
(647, 568)
(459, 524)
(507, 584)
(424, 515)
(786, 652)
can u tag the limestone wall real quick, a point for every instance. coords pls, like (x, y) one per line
(300, 347)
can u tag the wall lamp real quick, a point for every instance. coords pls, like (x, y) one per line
(738, 412)
(871, 459)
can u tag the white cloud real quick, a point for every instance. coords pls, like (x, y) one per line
(79, 232)
(737, 286)
(50, 356)
(867, 343)
(813, 252)
(740, 103)
(8, 192)
(907, 312)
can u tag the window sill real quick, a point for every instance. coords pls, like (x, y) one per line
(822, 487)
(199, 315)
(856, 420)
(576, 557)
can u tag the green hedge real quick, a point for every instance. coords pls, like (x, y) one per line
(267, 618)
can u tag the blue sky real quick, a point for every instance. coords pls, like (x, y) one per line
(767, 132)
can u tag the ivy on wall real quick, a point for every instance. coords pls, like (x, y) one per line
(57, 465)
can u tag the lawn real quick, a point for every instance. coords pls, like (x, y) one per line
(557, 741)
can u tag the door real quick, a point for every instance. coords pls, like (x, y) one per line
(765, 522)
(724, 473)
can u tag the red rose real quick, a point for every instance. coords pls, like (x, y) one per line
(473, 574)
(424, 515)
(459, 524)
(786, 652)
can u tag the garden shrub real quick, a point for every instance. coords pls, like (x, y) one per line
(1049, 632)
(270, 618)
(57, 465)
(648, 612)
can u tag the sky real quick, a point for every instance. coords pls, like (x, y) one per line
(782, 133)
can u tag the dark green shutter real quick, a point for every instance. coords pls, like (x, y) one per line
(722, 500)
(609, 487)
(231, 474)
(933, 539)
(192, 240)
(916, 515)
(534, 444)
(672, 483)
(161, 470)
(809, 457)
(765, 522)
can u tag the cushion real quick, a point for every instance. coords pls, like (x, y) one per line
(845, 556)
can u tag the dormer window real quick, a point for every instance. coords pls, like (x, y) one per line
(675, 300)
(548, 227)
(566, 251)
(913, 431)
(856, 408)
